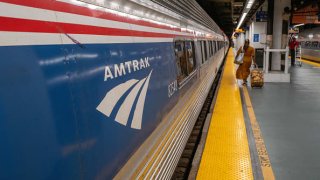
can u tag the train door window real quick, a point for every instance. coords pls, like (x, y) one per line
(209, 48)
(191, 63)
(202, 51)
(213, 48)
(216, 46)
(205, 50)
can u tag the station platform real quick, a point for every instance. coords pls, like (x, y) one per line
(267, 133)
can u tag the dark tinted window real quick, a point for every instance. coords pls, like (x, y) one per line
(315, 44)
(185, 58)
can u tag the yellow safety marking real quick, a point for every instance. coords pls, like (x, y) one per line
(311, 63)
(261, 147)
(226, 154)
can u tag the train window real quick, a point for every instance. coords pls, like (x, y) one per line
(213, 47)
(180, 60)
(308, 44)
(210, 48)
(315, 44)
(216, 46)
(190, 56)
(212, 51)
(185, 58)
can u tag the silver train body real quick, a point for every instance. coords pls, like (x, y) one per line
(309, 40)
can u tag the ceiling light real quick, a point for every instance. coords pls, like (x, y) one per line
(245, 12)
(249, 5)
(298, 25)
(241, 20)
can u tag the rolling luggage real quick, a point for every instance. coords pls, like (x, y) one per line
(257, 77)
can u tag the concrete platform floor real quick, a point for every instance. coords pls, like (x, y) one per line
(289, 118)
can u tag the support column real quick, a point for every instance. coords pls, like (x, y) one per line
(270, 29)
(279, 6)
(251, 32)
(270, 22)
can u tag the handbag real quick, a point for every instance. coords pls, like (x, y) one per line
(239, 58)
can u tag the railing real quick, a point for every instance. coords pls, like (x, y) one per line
(266, 59)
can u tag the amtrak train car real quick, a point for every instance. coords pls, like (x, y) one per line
(99, 89)
(310, 44)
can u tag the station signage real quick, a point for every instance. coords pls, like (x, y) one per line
(261, 16)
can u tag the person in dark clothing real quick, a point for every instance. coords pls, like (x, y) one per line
(292, 46)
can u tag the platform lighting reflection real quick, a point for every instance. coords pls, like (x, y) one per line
(91, 6)
(100, 2)
(127, 9)
(115, 9)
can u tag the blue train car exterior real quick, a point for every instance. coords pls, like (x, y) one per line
(83, 86)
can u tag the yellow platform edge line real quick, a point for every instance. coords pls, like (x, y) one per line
(226, 154)
(264, 159)
(310, 62)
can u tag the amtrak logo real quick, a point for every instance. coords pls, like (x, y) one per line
(113, 96)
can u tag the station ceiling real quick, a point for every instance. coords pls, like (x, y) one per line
(226, 13)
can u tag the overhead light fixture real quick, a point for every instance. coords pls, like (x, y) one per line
(245, 12)
(249, 4)
(241, 20)
(298, 25)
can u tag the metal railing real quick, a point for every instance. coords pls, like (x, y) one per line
(266, 59)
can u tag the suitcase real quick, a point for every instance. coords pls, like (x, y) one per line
(257, 78)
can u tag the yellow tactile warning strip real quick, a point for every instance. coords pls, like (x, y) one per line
(311, 63)
(261, 147)
(226, 154)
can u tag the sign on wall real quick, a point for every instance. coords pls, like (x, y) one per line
(261, 16)
(255, 37)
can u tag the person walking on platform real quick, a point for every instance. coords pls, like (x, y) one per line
(243, 70)
(292, 46)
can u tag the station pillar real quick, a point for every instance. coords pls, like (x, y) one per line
(277, 30)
